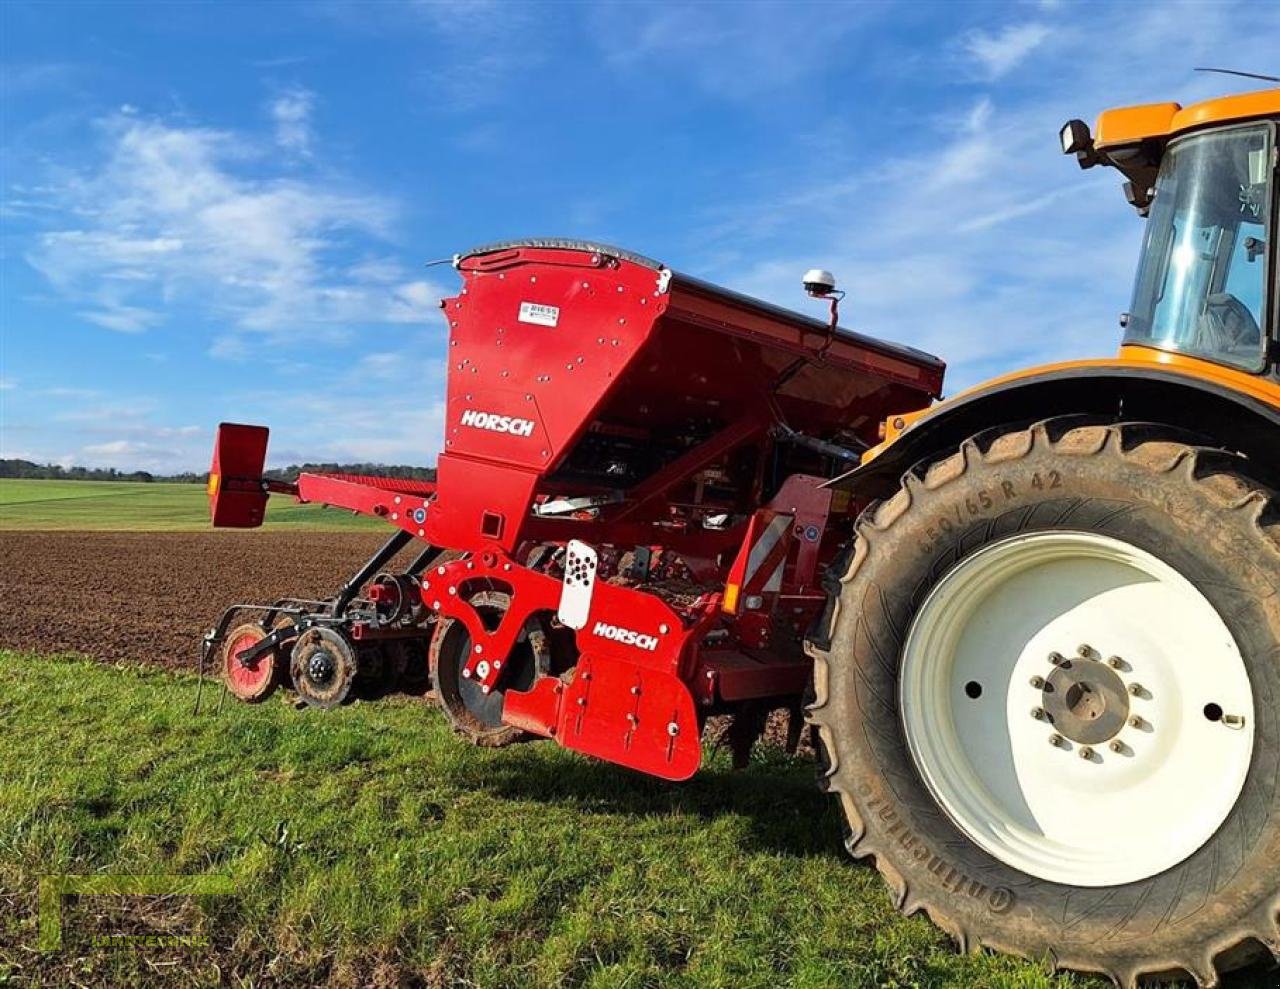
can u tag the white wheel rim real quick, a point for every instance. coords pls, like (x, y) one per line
(991, 764)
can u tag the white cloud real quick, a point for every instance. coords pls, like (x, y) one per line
(122, 319)
(8, 384)
(130, 455)
(184, 217)
(291, 112)
(731, 51)
(999, 53)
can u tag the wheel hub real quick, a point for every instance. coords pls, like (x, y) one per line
(1035, 756)
(320, 668)
(1085, 701)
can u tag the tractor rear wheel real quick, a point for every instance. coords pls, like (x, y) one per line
(1046, 696)
(474, 714)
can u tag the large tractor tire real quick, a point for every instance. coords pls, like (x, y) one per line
(1047, 692)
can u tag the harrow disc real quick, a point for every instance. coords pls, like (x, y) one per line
(323, 666)
(473, 713)
(254, 681)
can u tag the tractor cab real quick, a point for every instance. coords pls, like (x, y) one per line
(1204, 176)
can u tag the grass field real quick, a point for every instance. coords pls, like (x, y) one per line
(109, 505)
(370, 847)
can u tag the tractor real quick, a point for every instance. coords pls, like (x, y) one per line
(1034, 628)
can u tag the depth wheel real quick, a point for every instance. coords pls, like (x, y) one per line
(1047, 700)
(472, 713)
(257, 680)
(323, 666)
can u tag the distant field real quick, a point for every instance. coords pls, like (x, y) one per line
(107, 505)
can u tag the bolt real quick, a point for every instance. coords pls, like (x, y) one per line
(582, 702)
(479, 648)
(466, 674)
(1057, 741)
(453, 590)
(1056, 658)
(1137, 722)
(1038, 713)
(1116, 663)
(1137, 689)
(673, 729)
(633, 719)
(664, 629)
(484, 689)
(1233, 720)
(435, 605)
(1116, 745)
(440, 571)
(1037, 682)
(1087, 651)
(1086, 753)
(635, 691)
(497, 664)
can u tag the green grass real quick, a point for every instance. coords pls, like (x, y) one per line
(371, 847)
(110, 505)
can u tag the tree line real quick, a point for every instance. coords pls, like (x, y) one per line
(55, 472)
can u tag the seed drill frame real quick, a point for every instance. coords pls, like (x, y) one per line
(638, 461)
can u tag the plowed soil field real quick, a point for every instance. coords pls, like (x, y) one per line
(148, 597)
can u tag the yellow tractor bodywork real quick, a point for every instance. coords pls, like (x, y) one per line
(1185, 390)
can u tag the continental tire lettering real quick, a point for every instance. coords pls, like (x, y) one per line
(494, 423)
(997, 899)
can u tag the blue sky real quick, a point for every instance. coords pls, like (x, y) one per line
(222, 211)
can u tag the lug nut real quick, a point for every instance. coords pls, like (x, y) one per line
(1037, 713)
(1086, 753)
(1137, 689)
(1137, 722)
(1087, 651)
(1057, 659)
(1116, 745)
(1057, 741)
(1116, 663)
(1037, 682)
